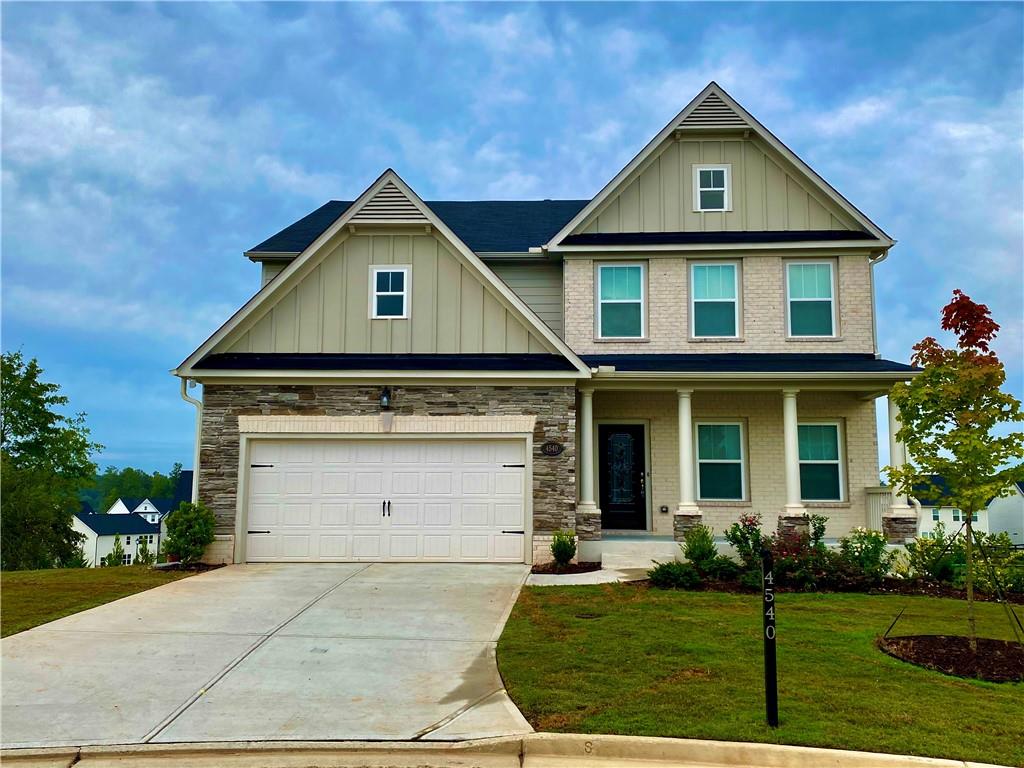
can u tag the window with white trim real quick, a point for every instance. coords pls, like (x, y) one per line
(711, 188)
(620, 301)
(721, 474)
(935, 514)
(389, 293)
(714, 300)
(810, 298)
(821, 465)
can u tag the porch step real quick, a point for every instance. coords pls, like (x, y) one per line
(633, 553)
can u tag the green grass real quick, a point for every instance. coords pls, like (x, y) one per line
(31, 598)
(689, 664)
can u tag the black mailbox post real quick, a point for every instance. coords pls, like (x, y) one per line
(771, 675)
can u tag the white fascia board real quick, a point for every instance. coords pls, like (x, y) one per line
(869, 247)
(427, 378)
(757, 128)
(806, 380)
(283, 281)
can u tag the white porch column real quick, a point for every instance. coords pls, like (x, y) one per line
(687, 496)
(586, 427)
(897, 456)
(791, 445)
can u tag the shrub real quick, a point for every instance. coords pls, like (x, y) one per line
(563, 547)
(998, 564)
(116, 556)
(935, 558)
(802, 561)
(865, 556)
(724, 568)
(189, 530)
(699, 548)
(76, 559)
(747, 539)
(674, 575)
(144, 555)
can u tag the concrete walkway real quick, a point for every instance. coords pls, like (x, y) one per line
(272, 652)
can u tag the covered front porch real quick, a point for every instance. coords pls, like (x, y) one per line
(657, 457)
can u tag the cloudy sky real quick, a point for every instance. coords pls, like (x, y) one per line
(146, 146)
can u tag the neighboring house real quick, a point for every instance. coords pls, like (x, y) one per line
(100, 530)
(455, 380)
(1007, 514)
(155, 510)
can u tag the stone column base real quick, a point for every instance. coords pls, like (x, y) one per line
(898, 529)
(795, 524)
(588, 524)
(684, 521)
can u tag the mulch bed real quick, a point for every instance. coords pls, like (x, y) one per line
(934, 589)
(998, 661)
(570, 568)
(191, 568)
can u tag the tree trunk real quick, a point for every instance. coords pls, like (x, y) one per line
(972, 630)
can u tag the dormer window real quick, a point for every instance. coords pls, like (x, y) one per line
(711, 188)
(389, 293)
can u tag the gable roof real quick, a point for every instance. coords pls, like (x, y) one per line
(113, 525)
(486, 226)
(713, 108)
(399, 213)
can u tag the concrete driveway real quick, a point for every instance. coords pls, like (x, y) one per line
(272, 652)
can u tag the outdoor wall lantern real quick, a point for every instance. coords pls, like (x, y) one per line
(385, 399)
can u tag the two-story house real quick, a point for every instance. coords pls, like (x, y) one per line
(454, 380)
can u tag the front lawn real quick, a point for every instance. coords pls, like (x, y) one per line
(624, 658)
(31, 598)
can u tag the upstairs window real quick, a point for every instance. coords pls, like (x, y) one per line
(935, 515)
(620, 306)
(810, 296)
(821, 468)
(714, 304)
(720, 472)
(389, 288)
(711, 188)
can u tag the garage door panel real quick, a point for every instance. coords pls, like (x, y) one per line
(326, 500)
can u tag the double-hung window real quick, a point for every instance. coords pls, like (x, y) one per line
(620, 306)
(720, 471)
(389, 292)
(935, 514)
(711, 188)
(821, 468)
(810, 297)
(714, 301)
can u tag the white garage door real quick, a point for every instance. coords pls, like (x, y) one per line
(396, 499)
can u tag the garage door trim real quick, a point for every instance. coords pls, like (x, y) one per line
(246, 440)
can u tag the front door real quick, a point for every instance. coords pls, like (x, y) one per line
(622, 476)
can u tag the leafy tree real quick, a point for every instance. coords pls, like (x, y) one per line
(116, 556)
(190, 528)
(144, 556)
(45, 460)
(129, 482)
(950, 414)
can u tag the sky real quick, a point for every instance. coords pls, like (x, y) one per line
(146, 146)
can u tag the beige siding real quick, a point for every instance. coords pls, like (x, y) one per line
(269, 270)
(539, 284)
(767, 193)
(327, 310)
(761, 414)
(762, 300)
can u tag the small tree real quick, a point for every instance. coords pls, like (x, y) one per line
(144, 556)
(190, 528)
(949, 413)
(116, 556)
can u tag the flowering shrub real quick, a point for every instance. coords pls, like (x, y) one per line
(747, 539)
(802, 561)
(864, 555)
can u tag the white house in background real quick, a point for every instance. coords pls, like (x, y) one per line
(933, 512)
(1007, 514)
(101, 530)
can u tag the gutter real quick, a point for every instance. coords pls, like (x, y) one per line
(872, 260)
(199, 433)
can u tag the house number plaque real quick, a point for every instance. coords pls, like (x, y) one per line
(552, 448)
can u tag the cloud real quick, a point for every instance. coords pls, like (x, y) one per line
(854, 116)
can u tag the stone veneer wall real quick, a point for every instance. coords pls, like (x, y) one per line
(554, 477)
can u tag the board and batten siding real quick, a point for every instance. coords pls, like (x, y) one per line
(767, 194)
(451, 310)
(539, 285)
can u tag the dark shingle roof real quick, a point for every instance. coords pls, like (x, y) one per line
(931, 498)
(315, 361)
(498, 226)
(752, 362)
(110, 525)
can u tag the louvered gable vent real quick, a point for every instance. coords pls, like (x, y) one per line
(713, 112)
(388, 205)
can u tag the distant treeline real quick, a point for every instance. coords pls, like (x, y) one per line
(129, 482)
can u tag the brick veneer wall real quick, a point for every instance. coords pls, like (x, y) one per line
(554, 477)
(762, 414)
(763, 301)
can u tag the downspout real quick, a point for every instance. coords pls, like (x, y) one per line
(199, 433)
(874, 310)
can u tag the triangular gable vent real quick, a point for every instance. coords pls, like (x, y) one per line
(389, 205)
(713, 112)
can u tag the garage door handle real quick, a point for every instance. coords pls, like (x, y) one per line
(383, 506)
(514, 465)
(520, 532)
(389, 507)
(260, 466)
(259, 531)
